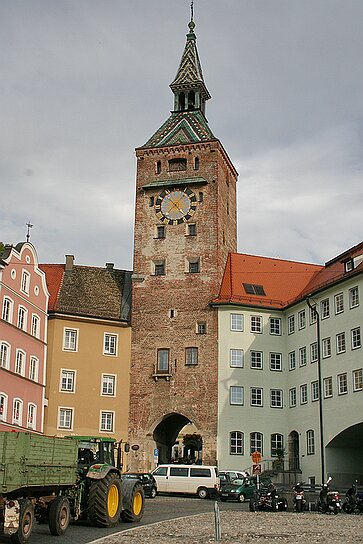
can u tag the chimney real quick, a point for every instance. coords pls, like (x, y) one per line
(69, 263)
(109, 266)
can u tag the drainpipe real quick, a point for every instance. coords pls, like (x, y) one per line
(322, 452)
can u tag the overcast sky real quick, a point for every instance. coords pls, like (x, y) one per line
(84, 82)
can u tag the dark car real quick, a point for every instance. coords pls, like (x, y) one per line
(240, 489)
(147, 480)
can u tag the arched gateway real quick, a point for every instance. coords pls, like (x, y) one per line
(185, 227)
(344, 455)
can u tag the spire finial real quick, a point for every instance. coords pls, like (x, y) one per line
(192, 11)
(30, 226)
(191, 25)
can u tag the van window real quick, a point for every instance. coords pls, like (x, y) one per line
(200, 472)
(161, 471)
(178, 471)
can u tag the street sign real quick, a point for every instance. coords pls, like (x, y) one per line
(256, 457)
(256, 470)
(156, 452)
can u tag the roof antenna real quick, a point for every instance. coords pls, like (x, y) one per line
(192, 11)
(30, 226)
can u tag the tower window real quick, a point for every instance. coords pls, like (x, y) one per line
(177, 165)
(200, 197)
(182, 101)
(151, 201)
(158, 167)
(159, 268)
(194, 266)
(191, 100)
(163, 361)
(202, 327)
(191, 229)
(191, 356)
(160, 231)
(196, 163)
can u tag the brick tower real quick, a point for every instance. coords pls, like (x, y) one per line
(185, 226)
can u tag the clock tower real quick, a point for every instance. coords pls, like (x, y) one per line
(185, 226)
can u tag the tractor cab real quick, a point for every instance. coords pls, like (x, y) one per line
(96, 451)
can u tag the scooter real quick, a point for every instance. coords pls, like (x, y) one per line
(299, 498)
(353, 503)
(329, 501)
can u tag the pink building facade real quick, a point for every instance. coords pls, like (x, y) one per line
(23, 339)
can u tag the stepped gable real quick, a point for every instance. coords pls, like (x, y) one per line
(89, 291)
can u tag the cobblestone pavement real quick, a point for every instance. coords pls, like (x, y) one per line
(248, 527)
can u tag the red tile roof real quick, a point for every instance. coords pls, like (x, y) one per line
(54, 275)
(284, 282)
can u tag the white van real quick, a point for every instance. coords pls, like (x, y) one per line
(197, 479)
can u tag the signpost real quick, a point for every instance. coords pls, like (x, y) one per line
(256, 470)
(156, 456)
(256, 467)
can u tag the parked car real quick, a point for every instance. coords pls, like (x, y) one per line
(147, 480)
(240, 489)
(201, 480)
(227, 476)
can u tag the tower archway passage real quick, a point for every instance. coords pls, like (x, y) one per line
(344, 454)
(166, 433)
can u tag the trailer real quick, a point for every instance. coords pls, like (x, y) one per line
(53, 480)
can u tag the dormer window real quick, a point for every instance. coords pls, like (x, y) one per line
(349, 265)
(253, 289)
(177, 165)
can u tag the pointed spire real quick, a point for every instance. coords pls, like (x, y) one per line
(188, 86)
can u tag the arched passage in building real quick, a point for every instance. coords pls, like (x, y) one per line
(344, 454)
(293, 451)
(166, 433)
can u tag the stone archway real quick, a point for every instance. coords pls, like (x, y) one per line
(165, 434)
(344, 455)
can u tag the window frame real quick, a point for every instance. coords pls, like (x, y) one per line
(236, 443)
(256, 397)
(22, 319)
(5, 361)
(301, 319)
(106, 424)
(314, 391)
(328, 387)
(340, 343)
(292, 360)
(276, 398)
(236, 322)
(161, 352)
(303, 356)
(256, 442)
(256, 365)
(313, 352)
(7, 309)
(106, 339)
(303, 393)
(25, 282)
(20, 354)
(33, 368)
(236, 358)
(67, 377)
(356, 339)
(353, 297)
(191, 356)
(310, 442)
(276, 443)
(75, 336)
(14, 420)
(325, 309)
(292, 397)
(108, 379)
(275, 326)
(357, 372)
(63, 415)
(31, 407)
(4, 405)
(275, 361)
(236, 395)
(339, 303)
(326, 347)
(35, 326)
(256, 324)
(342, 380)
(291, 324)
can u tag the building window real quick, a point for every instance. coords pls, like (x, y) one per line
(163, 361)
(328, 387)
(276, 361)
(194, 266)
(313, 352)
(196, 163)
(275, 326)
(292, 397)
(326, 344)
(252, 288)
(292, 360)
(25, 282)
(314, 391)
(256, 323)
(237, 322)
(20, 362)
(342, 384)
(256, 359)
(191, 229)
(276, 398)
(35, 330)
(355, 335)
(202, 327)
(3, 406)
(339, 303)
(33, 369)
(236, 443)
(67, 381)
(17, 412)
(236, 358)
(107, 422)
(357, 380)
(310, 442)
(340, 340)
(65, 418)
(303, 393)
(256, 396)
(313, 315)
(302, 356)
(4, 355)
(177, 165)
(7, 313)
(236, 395)
(70, 340)
(191, 356)
(108, 385)
(32, 416)
(277, 444)
(110, 344)
(301, 319)
(291, 324)
(256, 442)
(158, 167)
(201, 197)
(160, 231)
(353, 297)
(22, 318)
(325, 309)
(159, 268)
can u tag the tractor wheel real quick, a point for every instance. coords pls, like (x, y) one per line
(26, 520)
(104, 501)
(133, 501)
(59, 516)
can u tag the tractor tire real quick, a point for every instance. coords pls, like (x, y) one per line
(26, 520)
(104, 501)
(59, 516)
(133, 501)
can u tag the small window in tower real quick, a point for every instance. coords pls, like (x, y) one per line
(191, 356)
(191, 100)
(172, 314)
(151, 201)
(201, 197)
(227, 207)
(194, 266)
(159, 268)
(160, 231)
(196, 163)
(191, 229)
(182, 102)
(202, 327)
(158, 167)
(177, 165)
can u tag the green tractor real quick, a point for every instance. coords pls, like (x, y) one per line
(53, 480)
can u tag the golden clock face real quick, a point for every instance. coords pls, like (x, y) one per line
(176, 206)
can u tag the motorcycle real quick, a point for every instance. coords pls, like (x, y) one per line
(353, 503)
(268, 501)
(299, 498)
(329, 501)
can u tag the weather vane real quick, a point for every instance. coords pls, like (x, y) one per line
(30, 226)
(192, 10)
